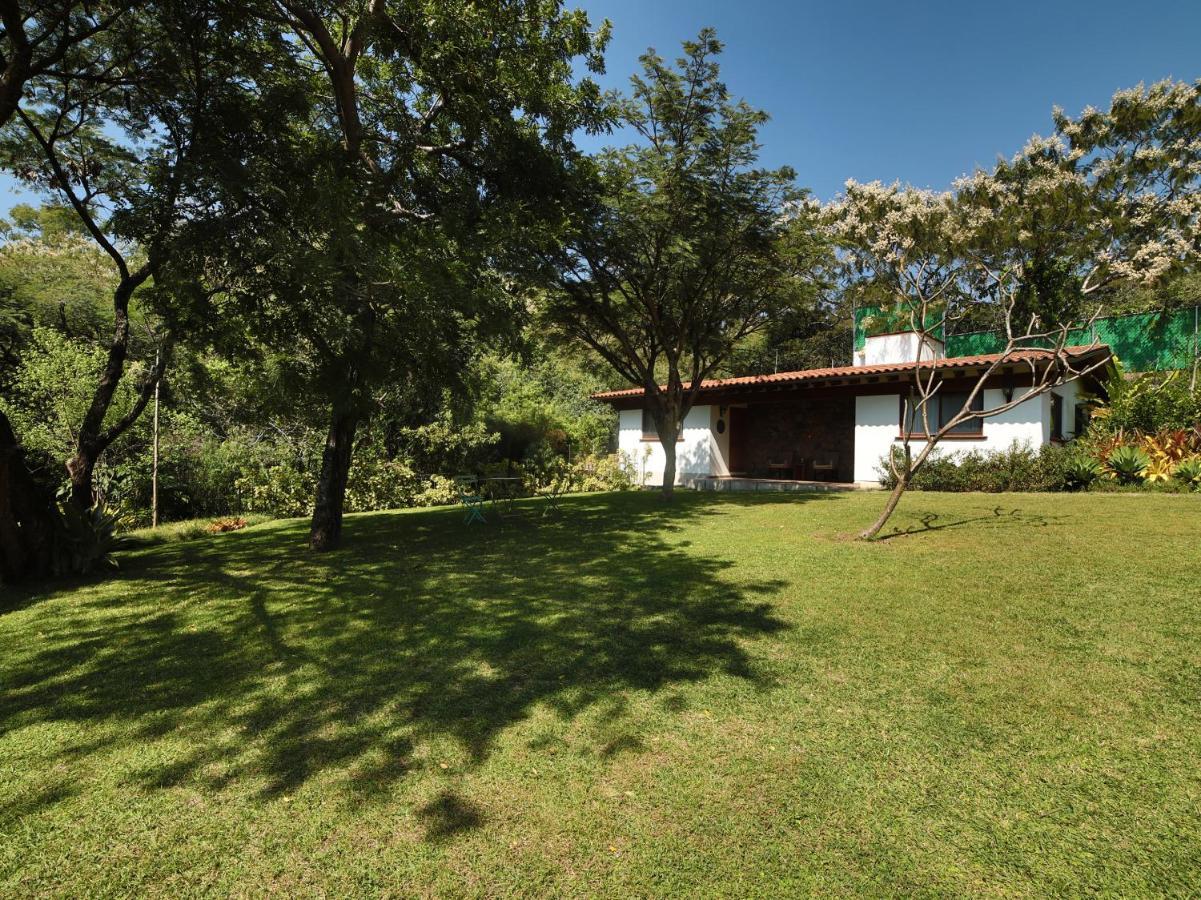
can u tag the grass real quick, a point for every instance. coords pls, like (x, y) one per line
(724, 696)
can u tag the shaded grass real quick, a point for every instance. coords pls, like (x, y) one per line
(727, 695)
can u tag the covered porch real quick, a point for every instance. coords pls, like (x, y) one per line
(805, 437)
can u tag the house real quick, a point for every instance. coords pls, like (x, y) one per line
(837, 424)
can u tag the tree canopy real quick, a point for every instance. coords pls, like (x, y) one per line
(688, 248)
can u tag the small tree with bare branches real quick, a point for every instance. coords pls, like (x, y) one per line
(1034, 243)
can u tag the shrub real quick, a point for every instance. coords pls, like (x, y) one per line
(1146, 404)
(1128, 464)
(88, 539)
(1017, 468)
(610, 472)
(1188, 473)
(1081, 470)
(277, 490)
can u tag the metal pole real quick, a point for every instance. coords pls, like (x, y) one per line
(1196, 349)
(154, 464)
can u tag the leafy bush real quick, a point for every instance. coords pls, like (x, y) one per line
(88, 539)
(611, 472)
(1128, 464)
(1146, 404)
(1081, 470)
(1017, 468)
(277, 490)
(1188, 473)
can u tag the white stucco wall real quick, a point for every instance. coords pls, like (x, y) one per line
(719, 443)
(877, 426)
(699, 453)
(896, 348)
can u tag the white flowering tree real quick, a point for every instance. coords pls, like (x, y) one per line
(1030, 246)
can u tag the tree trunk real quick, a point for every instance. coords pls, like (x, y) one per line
(893, 499)
(667, 423)
(80, 469)
(326, 530)
(27, 515)
(669, 468)
(92, 439)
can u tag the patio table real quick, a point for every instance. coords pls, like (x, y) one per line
(502, 491)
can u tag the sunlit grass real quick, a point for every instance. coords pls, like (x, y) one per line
(727, 695)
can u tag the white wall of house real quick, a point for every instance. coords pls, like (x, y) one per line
(902, 347)
(719, 440)
(877, 427)
(700, 452)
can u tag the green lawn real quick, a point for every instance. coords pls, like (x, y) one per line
(724, 696)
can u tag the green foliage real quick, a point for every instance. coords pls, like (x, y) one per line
(1017, 468)
(88, 539)
(1188, 473)
(443, 446)
(1127, 464)
(49, 391)
(57, 280)
(691, 246)
(608, 472)
(1145, 403)
(1081, 470)
(544, 400)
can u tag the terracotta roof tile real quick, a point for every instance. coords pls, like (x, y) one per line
(810, 375)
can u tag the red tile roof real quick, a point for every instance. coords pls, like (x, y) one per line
(818, 375)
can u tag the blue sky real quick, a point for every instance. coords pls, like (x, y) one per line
(920, 92)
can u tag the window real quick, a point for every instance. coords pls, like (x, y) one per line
(1080, 420)
(649, 432)
(940, 409)
(1056, 417)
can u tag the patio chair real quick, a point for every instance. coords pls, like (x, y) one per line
(826, 466)
(780, 469)
(467, 487)
(555, 488)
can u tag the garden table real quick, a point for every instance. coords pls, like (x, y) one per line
(502, 491)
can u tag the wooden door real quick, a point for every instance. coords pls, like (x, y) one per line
(739, 435)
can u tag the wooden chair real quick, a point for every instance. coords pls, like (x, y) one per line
(826, 466)
(779, 469)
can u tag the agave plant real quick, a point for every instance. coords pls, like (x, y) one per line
(1128, 464)
(1188, 471)
(89, 538)
(1081, 470)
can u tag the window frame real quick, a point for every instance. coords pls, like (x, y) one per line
(653, 434)
(935, 414)
(1056, 424)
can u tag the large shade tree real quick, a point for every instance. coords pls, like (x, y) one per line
(691, 246)
(382, 226)
(129, 134)
(132, 154)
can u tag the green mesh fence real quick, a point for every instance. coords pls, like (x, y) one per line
(1143, 341)
(874, 320)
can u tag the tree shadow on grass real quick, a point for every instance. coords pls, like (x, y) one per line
(275, 664)
(998, 515)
